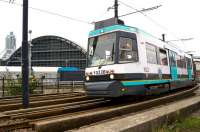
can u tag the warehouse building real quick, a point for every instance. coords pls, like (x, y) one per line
(51, 51)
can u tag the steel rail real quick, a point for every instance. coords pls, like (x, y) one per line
(13, 106)
(30, 115)
(35, 98)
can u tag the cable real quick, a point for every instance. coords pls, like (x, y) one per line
(48, 12)
(143, 10)
(140, 11)
(152, 20)
(56, 14)
(100, 16)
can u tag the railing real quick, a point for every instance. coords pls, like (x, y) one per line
(12, 87)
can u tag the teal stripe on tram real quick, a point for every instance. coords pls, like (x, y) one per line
(174, 72)
(189, 73)
(118, 28)
(112, 28)
(135, 83)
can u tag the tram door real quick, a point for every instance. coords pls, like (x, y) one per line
(189, 68)
(173, 65)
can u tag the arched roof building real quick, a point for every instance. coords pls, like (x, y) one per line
(52, 51)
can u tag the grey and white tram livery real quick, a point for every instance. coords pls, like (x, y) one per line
(125, 60)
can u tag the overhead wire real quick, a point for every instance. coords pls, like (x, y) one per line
(91, 23)
(143, 10)
(100, 16)
(151, 19)
(140, 11)
(49, 12)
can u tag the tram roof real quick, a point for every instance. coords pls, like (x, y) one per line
(117, 28)
(125, 28)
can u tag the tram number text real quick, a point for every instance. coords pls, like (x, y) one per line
(99, 72)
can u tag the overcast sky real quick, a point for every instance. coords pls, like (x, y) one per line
(179, 19)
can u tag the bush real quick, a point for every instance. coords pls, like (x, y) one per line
(14, 86)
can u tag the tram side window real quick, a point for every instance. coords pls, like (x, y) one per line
(179, 63)
(151, 54)
(128, 50)
(189, 65)
(183, 62)
(172, 58)
(163, 57)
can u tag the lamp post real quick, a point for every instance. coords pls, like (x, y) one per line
(30, 32)
(30, 53)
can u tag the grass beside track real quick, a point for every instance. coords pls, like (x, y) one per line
(190, 124)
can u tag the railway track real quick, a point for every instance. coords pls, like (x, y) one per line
(21, 118)
(40, 112)
(37, 97)
(72, 115)
(78, 119)
(7, 105)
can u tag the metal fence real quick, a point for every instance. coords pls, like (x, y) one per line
(12, 87)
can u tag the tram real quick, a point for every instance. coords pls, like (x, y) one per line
(124, 60)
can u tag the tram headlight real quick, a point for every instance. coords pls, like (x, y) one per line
(112, 76)
(87, 78)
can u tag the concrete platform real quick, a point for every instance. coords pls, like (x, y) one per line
(147, 120)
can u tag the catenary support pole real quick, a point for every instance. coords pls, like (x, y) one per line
(116, 8)
(25, 64)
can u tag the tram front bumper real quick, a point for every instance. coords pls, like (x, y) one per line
(103, 89)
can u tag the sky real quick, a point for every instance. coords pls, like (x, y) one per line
(178, 19)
